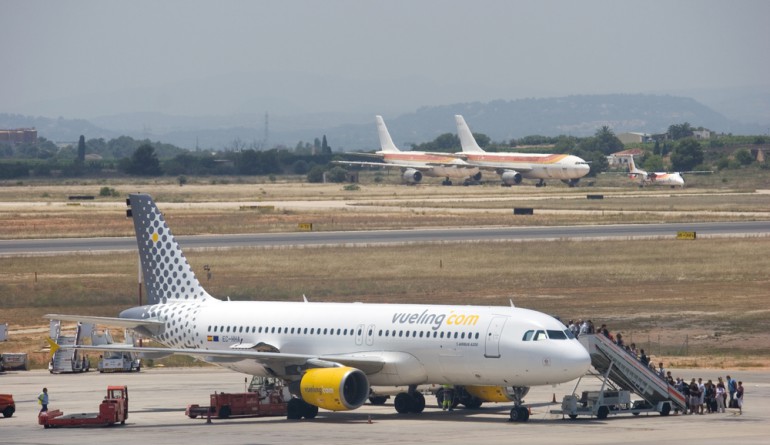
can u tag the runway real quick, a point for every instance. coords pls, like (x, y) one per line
(377, 237)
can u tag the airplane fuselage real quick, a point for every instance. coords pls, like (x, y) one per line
(471, 345)
(660, 178)
(533, 166)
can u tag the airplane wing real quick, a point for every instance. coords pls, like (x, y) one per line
(278, 361)
(426, 166)
(111, 321)
(697, 172)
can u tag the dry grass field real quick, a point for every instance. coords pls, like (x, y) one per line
(694, 303)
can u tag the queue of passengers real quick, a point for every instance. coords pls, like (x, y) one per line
(708, 397)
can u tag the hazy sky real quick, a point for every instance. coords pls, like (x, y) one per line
(87, 58)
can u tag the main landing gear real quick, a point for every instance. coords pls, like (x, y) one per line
(411, 401)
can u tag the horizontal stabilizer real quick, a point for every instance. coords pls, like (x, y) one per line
(109, 321)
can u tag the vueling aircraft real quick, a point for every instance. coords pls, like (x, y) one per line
(415, 164)
(330, 354)
(513, 167)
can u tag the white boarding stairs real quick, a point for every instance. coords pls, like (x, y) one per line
(67, 360)
(627, 372)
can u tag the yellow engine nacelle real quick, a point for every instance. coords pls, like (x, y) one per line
(491, 393)
(335, 389)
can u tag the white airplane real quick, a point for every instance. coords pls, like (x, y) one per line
(331, 353)
(415, 164)
(658, 178)
(653, 178)
(513, 167)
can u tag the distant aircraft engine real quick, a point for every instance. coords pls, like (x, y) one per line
(335, 389)
(476, 177)
(412, 176)
(511, 177)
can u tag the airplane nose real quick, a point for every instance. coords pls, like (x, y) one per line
(577, 359)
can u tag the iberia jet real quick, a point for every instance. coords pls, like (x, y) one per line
(330, 354)
(513, 167)
(415, 164)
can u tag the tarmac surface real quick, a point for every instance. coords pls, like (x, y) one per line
(158, 398)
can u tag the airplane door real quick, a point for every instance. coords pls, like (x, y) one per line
(492, 343)
(359, 335)
(370, 335)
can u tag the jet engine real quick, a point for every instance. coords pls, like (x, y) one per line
(335, 389)
(476, 177)
(511, 177)
(412, 176)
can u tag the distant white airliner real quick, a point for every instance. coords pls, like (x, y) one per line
(513, 167)
(331, 353)
(415, 164)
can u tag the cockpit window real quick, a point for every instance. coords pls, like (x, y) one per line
(569, 333)
(557, 335)
(528, 335)
(540, 335)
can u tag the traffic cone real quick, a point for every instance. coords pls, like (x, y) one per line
(369, 419)
(554, 398)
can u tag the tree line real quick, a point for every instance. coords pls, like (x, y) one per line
(127, 156)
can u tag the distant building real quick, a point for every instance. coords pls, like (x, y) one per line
(18, 136)
(701, 134)
(631, 138)
(620, 159)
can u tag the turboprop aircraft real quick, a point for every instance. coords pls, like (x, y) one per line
(513, 167)
(415, 164)
(643, 178)
(330, 354)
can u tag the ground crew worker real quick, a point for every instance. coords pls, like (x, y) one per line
(448, 400)
(42, 400)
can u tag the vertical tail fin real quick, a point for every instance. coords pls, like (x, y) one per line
(632, 166)
(467, 140)
(386, 143)
(167, 274)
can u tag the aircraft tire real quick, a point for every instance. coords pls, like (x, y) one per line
(378, 400)
(294, 409)
(418, 403)
(519, 414)
(309, 411)
(403, 403)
